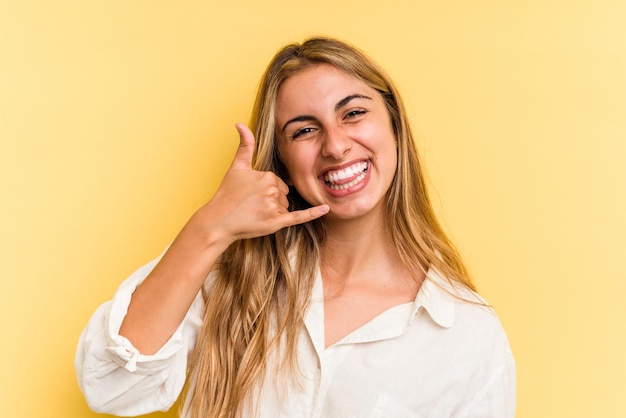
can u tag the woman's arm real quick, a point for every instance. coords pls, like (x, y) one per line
(247, 204)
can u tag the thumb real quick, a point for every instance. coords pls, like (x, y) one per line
(243, 157)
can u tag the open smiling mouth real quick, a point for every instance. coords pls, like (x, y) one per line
(347, 177)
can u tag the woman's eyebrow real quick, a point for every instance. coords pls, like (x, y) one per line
(302, 118)
(341, 103)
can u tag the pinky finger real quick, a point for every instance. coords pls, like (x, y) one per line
(306, 215)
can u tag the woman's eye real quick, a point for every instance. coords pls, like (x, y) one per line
(355, 113)
(301, 132)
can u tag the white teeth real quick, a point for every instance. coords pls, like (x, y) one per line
(348, 172)
(347, 185)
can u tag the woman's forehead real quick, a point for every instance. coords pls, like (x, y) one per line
(322, 84)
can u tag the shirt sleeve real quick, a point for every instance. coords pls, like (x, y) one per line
(496, 397)
(114, 377)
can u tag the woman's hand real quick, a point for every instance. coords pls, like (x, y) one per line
(250, 203)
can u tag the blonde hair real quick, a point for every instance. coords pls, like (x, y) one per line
(256, 306)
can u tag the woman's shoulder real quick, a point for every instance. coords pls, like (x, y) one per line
(466, 309)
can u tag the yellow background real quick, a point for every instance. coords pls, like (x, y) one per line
(116, 123)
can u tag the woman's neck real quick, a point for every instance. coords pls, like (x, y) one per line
(357, 249)
(362, 276)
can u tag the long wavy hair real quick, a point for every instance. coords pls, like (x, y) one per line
(262, 286)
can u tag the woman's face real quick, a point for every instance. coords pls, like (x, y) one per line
(336, 141)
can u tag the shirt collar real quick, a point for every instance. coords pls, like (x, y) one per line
(438, 298)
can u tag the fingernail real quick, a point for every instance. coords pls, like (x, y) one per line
(324, 209)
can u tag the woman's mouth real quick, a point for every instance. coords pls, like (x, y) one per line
(346, 177)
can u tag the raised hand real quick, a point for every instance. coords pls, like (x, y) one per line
(252, 203)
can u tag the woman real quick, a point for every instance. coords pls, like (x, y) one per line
(315, 283)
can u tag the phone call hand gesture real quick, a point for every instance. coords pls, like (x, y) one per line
(251, 203)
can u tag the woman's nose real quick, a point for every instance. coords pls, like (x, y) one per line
(336, 144)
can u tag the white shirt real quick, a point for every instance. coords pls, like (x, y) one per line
(436, 357)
